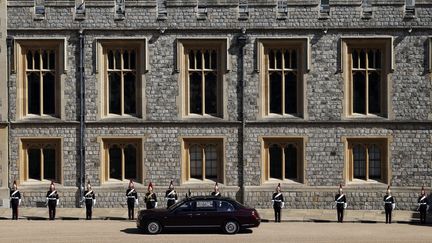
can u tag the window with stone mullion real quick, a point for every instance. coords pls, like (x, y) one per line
(41, 81)
(203, 82)
(122, 161)
(366, 81)
(122, 81)
(283, 161)
(282, 81)
(42, 162)
(367, 157)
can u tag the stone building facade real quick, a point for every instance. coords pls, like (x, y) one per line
(310, 94)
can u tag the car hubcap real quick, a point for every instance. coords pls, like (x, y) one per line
(153, 227)
(230, 227)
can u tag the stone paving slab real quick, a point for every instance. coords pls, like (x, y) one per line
(288, 215)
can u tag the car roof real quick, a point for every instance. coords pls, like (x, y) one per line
(209, 198)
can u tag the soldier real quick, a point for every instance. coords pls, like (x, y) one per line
(278, 203)
(422, 205)
(150, 197)
(216, 192)
(52, 200)
(171, 195)
(131, 199)
(340, 201)
(389, 205)
(90, 200)
(15, 200)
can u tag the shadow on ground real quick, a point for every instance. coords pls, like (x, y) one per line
(137, 231)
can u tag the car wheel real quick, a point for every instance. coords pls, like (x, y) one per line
(231, 227)
(153, 227)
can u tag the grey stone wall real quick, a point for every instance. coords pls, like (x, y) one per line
(410, 128)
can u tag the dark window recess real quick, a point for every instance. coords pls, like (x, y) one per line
(114, 93)
(211, 93)
(290, 93)
(133, 59)
(275, 154)
(40, 10)
(275, 93)
(195, 160)
(374, 162)
(195, 93)
(374, 93)
(359, 93)
(34, 164)
(211, 162)
(291, 162)
(129, 93)
(130, 154)
(29, 60)
(49, 94)
(49, 164)
(33, 93)
(359, 155)
(115, 163)
(37, 60)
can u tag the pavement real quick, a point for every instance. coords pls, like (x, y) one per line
(288, 215)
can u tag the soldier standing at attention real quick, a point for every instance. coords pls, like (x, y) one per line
(171, 195)
(89, 200)
(15, 200)
(341, 204)
(216, 192)
(389, 205)
(278, 203)
(150, 197)
(52, 198)
(131, 199)
(422, 205)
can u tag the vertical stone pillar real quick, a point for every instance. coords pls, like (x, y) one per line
(4, 187)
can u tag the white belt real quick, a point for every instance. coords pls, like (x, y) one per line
(340, 202)
(15, 198)
(52, 198)
(130, 196)
(170, 198)
(389, 202)
(277, 200)
(423, 203)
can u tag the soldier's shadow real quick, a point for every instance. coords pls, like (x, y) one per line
(184, 231)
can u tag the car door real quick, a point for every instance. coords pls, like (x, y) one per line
(180, 216)
(205, 213)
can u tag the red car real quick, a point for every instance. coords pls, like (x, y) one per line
(200, 212)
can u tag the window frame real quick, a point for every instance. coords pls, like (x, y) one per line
(384, 145)
(40, 143)
(300, 143)
(183, 47)
(302, 45)
(187, 143)
(142, 58)
(385, 44)
(106, 144)
(21, 47)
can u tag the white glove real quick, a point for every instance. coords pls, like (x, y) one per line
(19, 202)
(136, 202)
(94, 202)
(272, 203)
(57, 203)
(155, 204)
(393, 206)
(345, 205)
(283, 204)
(175, 201)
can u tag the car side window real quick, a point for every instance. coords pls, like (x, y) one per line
(223, 206)
(185, 207)
(205, 205)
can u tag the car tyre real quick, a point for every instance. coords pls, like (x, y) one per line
(231, 227)
(153, 227)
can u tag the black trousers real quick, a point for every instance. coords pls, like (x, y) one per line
(131, 206)
(422, 210)
(170, 203)
(14, 205)
(277, 212)
(89, 206)
(340, 213)
(388, 213)
(52, 204)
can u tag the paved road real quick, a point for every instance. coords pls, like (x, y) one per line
(124, 231)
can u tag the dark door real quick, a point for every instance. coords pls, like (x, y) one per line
(205, 214)
(181, 216)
